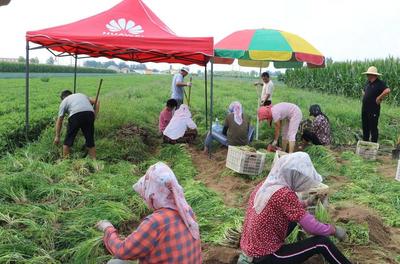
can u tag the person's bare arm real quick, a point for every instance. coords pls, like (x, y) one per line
(59, 123)
(277, 130)
(380, 98)
(96, 107)
(182, 84)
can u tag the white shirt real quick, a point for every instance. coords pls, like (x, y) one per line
(181, 120)
(268, 88)
(75, 103)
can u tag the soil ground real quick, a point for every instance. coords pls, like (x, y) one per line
(384, 244)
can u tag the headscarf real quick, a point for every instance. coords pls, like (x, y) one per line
(160, 189)
(294, 171)
(237, 110)
(265, 113)
(180, 121)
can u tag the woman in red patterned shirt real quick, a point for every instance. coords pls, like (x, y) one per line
(169, 235)
(273, 211)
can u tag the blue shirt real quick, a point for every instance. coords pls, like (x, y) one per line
(176, 91)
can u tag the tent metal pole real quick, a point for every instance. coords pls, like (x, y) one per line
(76, 64)
(205, 94)
(211, 99)
(27, 91)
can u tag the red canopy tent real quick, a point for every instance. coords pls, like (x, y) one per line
(128, 31)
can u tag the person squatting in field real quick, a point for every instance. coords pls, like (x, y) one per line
(81, 117)
(374, 92)
(166, 115)
(274, 210)
(181, 128)
(169, 235)
(236, 130)
(319, 132)
(285, 115)
(178, 85)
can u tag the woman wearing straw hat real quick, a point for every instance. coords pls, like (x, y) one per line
(374, 92)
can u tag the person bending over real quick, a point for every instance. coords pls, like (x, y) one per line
(81, 117)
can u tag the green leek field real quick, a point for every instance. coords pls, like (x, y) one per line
(49, 206)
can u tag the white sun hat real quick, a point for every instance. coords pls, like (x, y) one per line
(372, 70)
(186, 69)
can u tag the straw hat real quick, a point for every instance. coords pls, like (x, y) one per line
(372, 70)
(186, 69)
(4, 2)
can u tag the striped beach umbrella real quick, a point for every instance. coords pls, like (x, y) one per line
(254, 47)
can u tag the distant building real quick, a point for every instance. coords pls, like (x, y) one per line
(125, 70)
(9, 59)
(114, 68)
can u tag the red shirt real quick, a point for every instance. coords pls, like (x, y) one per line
(162, 237)
(163, 120)
(265, 233)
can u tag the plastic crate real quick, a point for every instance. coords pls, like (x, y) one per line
(245, 162)
(321, 189)
(367, 150)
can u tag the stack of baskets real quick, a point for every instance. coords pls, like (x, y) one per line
(367, 150)
(245, 161)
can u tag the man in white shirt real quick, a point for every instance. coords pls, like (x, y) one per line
(79, 107)
(268, 88)
(177, 86)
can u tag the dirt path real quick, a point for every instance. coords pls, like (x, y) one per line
(384, 244)
(234, 189)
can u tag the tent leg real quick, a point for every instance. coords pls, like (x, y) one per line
(27, 91)
(205, 94)
(211, 99)
(76, 64)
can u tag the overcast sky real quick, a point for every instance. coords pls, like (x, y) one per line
(340, 29)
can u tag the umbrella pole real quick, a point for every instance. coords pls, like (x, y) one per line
(258, 104)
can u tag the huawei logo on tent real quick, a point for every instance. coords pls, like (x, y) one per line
(122, 27)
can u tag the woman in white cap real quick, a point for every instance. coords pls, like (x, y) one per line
(169, 235)
(177, 87)
(274, 210)
(373, 94)
(181, 128)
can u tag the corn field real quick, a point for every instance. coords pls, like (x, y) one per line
(345, 78)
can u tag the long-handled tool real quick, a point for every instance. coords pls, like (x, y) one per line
(97, 95)
(190, 90)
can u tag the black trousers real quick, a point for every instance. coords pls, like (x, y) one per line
(303, 250)
(370, 125)
(83, 121)
(310, 137)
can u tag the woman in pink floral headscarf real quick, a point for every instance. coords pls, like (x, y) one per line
(169, 235)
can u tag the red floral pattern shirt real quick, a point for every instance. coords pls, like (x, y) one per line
(265, 233)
